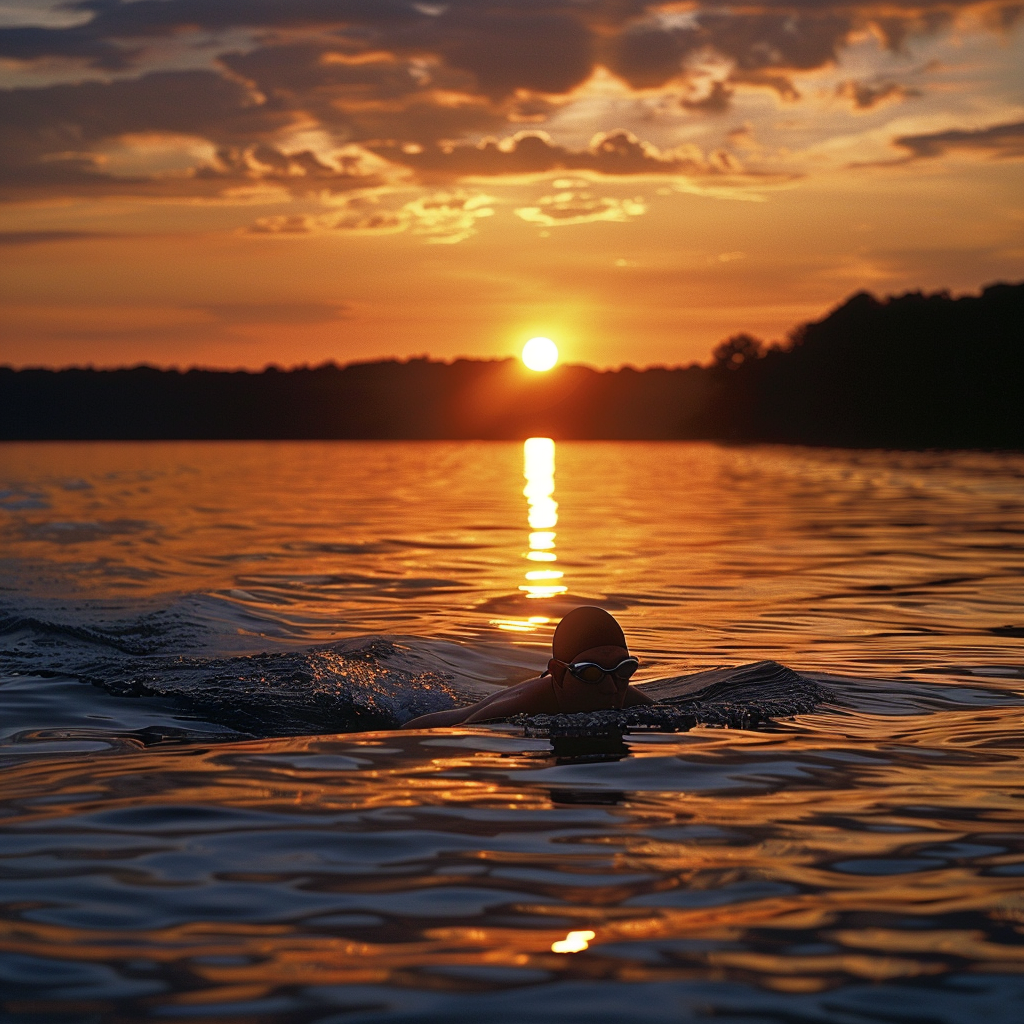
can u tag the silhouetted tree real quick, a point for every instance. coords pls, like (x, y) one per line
(737, 351)
(911, 371)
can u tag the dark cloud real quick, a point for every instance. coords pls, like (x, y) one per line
(32, 43)
(617, 153)
(1003, 141)
(715, 101)
(410, 81)
(545, 53)
(780, 84)
(868, 95)
(648, 56)
(1005, 16)
(196, 102)
(49, 136)
(361, 97)
(147, 19)
(545, 46)
(764, 48)
(311, 71)
(12, 238)
(783, 41)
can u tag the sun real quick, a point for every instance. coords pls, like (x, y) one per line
(540, 354)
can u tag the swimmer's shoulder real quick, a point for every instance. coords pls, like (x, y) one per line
(531, 697)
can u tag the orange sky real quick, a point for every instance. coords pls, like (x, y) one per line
(185, 183)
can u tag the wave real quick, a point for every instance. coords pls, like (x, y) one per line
(177, 664)
(744, 697)
(362, 683)
(353, 685)
(14, 626)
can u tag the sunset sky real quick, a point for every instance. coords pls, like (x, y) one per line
(231, 183)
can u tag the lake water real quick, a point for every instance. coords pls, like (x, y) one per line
(208, 814)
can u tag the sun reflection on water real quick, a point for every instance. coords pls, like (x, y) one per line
(542, 516)
(574, 942)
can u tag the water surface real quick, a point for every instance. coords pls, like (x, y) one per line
(189, 633)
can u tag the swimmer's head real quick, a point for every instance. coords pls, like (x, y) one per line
(587, 633)
(583, 628)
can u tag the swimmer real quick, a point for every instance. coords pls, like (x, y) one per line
(589, 670)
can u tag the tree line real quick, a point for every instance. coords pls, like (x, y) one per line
(912, 371)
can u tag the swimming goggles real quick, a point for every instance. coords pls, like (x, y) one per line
(591, 672)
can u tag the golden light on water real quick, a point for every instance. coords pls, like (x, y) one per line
(574, 942)
(542, 515)
(540, 354)
(880, 872)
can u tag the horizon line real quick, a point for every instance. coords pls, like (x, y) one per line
(784, 343)
(332, 363)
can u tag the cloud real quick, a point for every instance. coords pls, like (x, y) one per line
(715, 100)
(1001, 141)
(760, 47)
(566, 208)
(71, 138)
(447, 217)
(358, 94)
(54, 13)
(48, 136)
(285, 224)
(868, 95)
(507, 50)
(30, 42)
(440, 218)
(417, 84)
(614, 153)
(542, 46)
(10, 238)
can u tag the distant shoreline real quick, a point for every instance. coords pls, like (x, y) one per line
(914, 371)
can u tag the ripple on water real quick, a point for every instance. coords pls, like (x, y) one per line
(163, 856)
(447, 872)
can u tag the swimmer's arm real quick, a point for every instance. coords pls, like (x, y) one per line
(635, 697)
(437, 719)
(482, 711)
(514, 704)
(457, 716)
(532, 697)
(528, 703)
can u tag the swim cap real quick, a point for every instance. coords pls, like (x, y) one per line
(583, 628)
